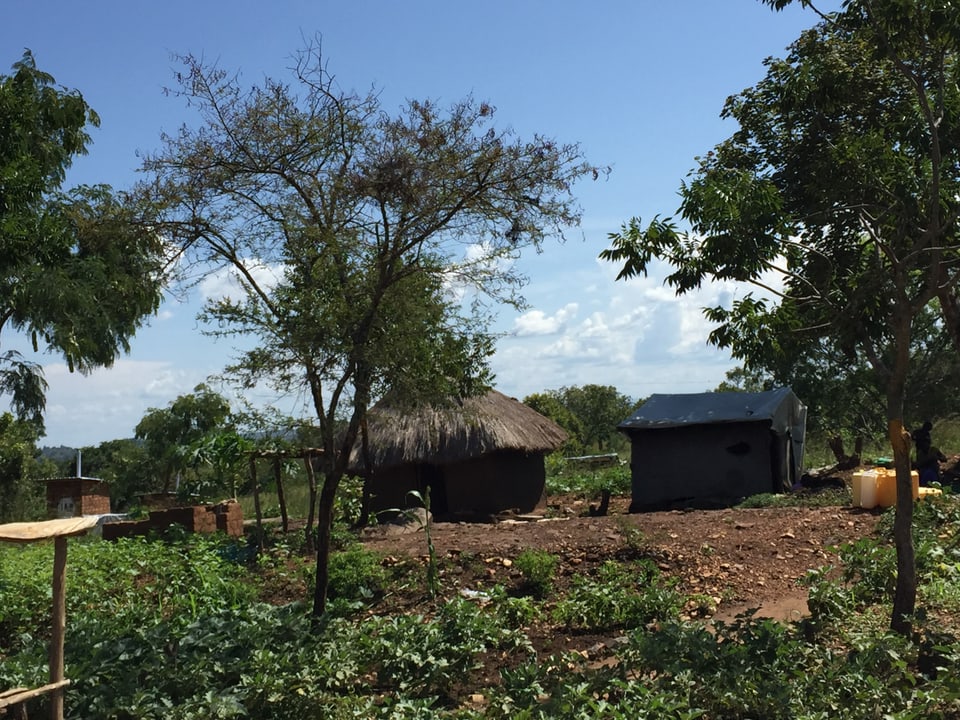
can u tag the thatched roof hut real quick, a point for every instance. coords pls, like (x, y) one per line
(480, 456)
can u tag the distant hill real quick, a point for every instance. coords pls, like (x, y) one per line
(58, 454)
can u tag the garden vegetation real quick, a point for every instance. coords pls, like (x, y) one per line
(183, 626)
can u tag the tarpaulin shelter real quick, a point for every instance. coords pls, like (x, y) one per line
(476, 456)
(713, 449)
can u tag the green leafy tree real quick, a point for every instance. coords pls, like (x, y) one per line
(740, 379)
(599, 409)
(226, 454)
(168, 433)
(550, 404)
(123, 464)
(22, 492)
(844, 396)
(366, 243)
(843, 176)
(76, 275)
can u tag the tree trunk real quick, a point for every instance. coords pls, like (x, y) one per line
(844, 461)
(604, 507)
(255, 482)
(905, 596)
(367, 476)
(324, 525)
(281, 498)
(950, 311)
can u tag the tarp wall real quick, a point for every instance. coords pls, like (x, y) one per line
(713, 449)
(702, 465)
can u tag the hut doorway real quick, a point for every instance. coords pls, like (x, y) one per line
(432, 481)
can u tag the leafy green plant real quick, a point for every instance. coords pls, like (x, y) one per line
(827, 599)
(513, 613)
(421, 657)
(870, 569)
(615, 480)
(620, 596)
(356, 574)
(538, 569)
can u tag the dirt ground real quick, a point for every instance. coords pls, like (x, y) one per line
(741, 558)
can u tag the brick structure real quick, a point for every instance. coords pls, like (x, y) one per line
(77, 496)
(226, 517)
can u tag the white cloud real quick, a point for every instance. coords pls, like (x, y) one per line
(108, 403)
(641, 338)
(225, 282)
(536, 322)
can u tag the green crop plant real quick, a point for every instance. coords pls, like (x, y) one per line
(538, 569)
(620, 596)
(356, 575)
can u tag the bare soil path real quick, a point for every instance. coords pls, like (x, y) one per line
(742, 558)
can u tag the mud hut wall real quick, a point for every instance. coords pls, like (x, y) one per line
(702, 465)
(390, 488)
(496, 483)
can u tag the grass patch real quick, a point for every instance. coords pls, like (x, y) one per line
(826, 497)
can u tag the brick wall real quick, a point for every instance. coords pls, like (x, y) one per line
(73, 497)
(226, 517)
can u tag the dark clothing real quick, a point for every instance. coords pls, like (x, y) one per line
(928, 462)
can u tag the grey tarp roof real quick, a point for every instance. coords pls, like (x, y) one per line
(781, 407)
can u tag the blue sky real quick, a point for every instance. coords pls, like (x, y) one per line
(639, 84)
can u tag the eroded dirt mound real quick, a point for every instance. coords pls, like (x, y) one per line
(739, 557)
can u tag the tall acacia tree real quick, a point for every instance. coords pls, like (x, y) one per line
(359, 238)
(75, 274)
(844, 175)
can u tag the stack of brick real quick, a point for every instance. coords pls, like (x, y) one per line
(226, 517)
(229, 516)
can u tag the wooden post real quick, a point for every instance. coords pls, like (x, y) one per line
(256, 499)
(312, 481)
(59, 622)
(278, 476)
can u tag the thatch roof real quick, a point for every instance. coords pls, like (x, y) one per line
(469, 429)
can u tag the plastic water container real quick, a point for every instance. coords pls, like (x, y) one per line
(887, 486)
(865, 488)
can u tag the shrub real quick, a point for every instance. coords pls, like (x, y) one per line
(356, 574)
(539, 570)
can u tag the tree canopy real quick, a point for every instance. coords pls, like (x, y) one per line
(75, 275)
(369, 245)
(589, 413)
(838, 195)
(21, 492)
(170, 433)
